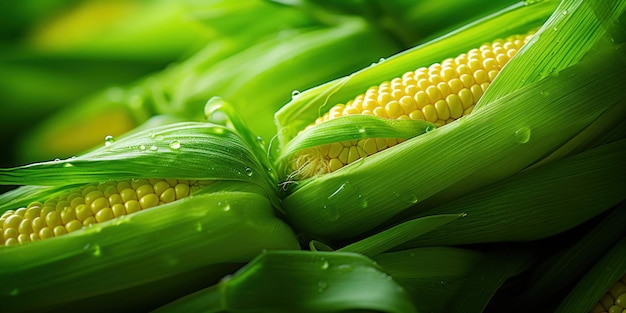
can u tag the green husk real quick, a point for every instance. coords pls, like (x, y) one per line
(537, 203)
(217, 228)
(292, 281)
(512, 133)
(597, 281)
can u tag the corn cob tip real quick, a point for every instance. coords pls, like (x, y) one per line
(614, 301)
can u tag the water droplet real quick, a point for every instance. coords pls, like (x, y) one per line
(68, 164)
(198, 227)
(381, 60)
(362, 130)
(175, 145)
(522, 135)
(142, 147)
(410, 198)
(153, 148)
(108, 140)
(57, 160)
(564, 12)
(545, 93)
(248, 171)
(14, 292)
(224, 205)
(295, 94)
(362, 202)
(555, 28)
(93, 248)
(323, 263)
(159, 137)
(134, 180)
(345, 268)
(322, 286)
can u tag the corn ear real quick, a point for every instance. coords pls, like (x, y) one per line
(292, 281)
(512, 132)
(226, 227)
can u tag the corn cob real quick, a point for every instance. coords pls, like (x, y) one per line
(614, 301)
(89, 204)
(438, 94)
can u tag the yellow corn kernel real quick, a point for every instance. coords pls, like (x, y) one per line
(438, 94)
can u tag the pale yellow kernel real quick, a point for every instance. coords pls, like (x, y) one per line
(488, 54)
(172, 182)
(59, 230)
(104, 215)
(380, 112)
(423, 83)
(128, 195)
(88, 189)
(408, 75)
(46, 233)
(461, 59)
(468, 110)
(169, 195)
(396, 94)
(455, 106)
(45, 210)
(367, 112)
(343, 156)
(335, 149)
(73, 226)
(368, 145)
(455, 85)
(118, 210)
(492, 75)
(421, 99)
(23, 238)
(82, 212)
(484, 86)
(408, 104)
(132, 206)
(148, 201)
(420, 75)
(391, 142)
(123, 185)
(448, 73)
(369, 104)
(410, 90)
(7, 213)
(334, 164)
(35, 203)
(383, 98)
(10, 233)
(347, 143)
(361, 152)
(110, 190)
(138, 182)
(408, 81)
(12, 221)
(77, 201)
(502, 59)
(53, 219)
(37, 224)
(144, 190)
(466, 97)
(490, 64)
(447, 63)
(467, 80)
(353, 154)
(441, 107)
(474, 65)
(68, 214)
(435, 79)
(511, 53)
(348, 111)
(617, 289)
(396, 81)
(417, 115)
(440, 123)
(89, 221)
(393, 109)
(11, 242)
(73, 195)
(381, 144)
(50, 202)
(34, 236)
(61, 204)
(92, 196)
(430, 113)
(153, 181)
(481, 76)
(115, 199)
(98, 204)
(477, 92)
(181, 190)
(463, 69)
(444, 89)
